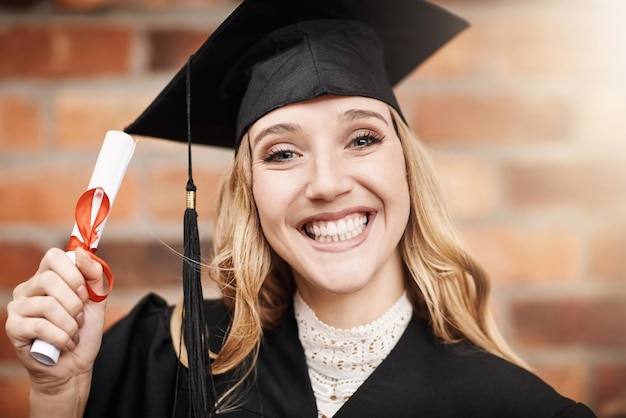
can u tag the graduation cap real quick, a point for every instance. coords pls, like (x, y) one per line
(267, 54)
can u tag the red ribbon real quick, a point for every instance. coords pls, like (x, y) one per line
(89, 234)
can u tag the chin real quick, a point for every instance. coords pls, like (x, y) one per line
(337, 286)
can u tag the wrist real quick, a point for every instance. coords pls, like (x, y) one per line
(66, 399)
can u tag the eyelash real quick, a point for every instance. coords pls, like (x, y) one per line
(370, 137)
(272, 155)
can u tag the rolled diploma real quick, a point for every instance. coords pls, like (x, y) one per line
(115, 154)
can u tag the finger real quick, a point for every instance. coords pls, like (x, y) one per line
(58, 261)
(52, 285)
(53, 257)
(43, 318)
(53, 311)
(91, 270)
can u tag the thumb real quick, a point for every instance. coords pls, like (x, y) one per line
(91, 270)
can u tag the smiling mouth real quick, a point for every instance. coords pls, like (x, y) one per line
(336, 231)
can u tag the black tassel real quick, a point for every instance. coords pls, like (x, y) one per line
(193, 318)
(195, 331)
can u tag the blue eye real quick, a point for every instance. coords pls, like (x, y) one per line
(365, 140)
(279, 156)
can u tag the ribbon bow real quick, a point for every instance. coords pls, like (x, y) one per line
(89, 234)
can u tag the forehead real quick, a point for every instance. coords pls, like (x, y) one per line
(321, 108)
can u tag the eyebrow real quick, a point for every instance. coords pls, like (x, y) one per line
(275, 129)
(356, 114)
(347, 116)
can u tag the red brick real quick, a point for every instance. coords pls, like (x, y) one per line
(42, 195)
(83, 116)
(14, 390)
(599, 322)
(170, 48)
(459, 177)
(19, 261)
(517, 254)
(57, 50)
(611, 390)
(167, 192)
(49, 194)
(143, 265)
(127, 204)
(7, 352)
(21, 124)
(491, 118)
(81, 5)
(597, 185)
(462, 56)
(607, 253)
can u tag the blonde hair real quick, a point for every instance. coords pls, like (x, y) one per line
(446, 286)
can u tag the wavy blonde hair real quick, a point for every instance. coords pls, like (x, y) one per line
(446, 286)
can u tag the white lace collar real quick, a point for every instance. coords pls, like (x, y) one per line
(339, 360)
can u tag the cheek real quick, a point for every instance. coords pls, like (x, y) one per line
(391, 175)
(271, 200)
(396, 186)
(272, 208)
(260, 194)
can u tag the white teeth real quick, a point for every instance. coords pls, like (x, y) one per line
(341, 230)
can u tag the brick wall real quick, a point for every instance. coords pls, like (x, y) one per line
(524, 112)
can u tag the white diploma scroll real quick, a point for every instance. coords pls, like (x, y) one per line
(115, 154)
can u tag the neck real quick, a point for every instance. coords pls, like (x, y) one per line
(352, 309)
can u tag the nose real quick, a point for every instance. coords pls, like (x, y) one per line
(328, 178)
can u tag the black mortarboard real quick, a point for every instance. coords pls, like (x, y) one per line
(269, 53)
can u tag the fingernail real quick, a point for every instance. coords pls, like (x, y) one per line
(76, 339)
(82, 293)
(80, 319)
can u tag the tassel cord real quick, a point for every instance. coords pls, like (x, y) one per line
(194, 329)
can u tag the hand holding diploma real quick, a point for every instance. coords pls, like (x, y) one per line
(61, 303)
(92, 212)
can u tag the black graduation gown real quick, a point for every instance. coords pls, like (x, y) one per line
(135, 375)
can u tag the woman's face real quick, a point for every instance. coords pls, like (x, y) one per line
(329, 182)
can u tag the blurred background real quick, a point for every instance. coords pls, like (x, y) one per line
(525, 113)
